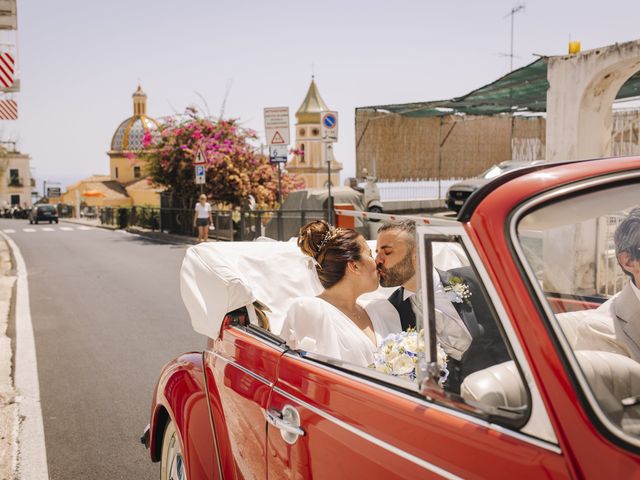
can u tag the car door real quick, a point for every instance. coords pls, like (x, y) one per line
(241, 368)
(333, 420)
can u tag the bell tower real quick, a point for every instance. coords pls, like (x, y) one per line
(311, 161)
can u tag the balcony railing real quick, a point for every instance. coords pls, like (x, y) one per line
(15, 182)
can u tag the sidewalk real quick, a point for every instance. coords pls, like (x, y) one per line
(8, 407)
(144, 232)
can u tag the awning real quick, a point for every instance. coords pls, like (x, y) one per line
(522, 90)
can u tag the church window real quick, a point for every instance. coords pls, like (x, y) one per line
(116, 172)
(301, 132)
(136, 172)
(302, 153)
(315, 132)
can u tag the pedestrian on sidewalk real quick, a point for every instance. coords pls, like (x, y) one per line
(202, 218)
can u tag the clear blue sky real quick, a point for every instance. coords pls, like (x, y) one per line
(81, 60)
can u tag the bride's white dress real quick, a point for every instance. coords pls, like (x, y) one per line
(314, 325)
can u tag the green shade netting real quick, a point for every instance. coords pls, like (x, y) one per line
(522, 90)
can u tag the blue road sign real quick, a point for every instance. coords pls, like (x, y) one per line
(329, 120)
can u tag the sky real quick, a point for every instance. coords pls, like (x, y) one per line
(80, 61)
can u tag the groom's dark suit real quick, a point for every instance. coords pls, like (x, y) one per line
(407, 316)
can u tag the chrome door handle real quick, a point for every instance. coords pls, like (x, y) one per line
(288, 422)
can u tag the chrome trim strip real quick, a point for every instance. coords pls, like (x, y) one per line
(240, 367)
(370, 438)
(424, 403)
(518, 213)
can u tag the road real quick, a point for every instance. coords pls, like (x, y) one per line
(107, 315)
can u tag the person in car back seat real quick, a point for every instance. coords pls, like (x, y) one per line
(615, 325)
(396, 260)
(335, 323)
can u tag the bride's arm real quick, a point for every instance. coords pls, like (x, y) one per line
(306, 326)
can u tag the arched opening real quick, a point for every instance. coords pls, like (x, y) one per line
(625, 131)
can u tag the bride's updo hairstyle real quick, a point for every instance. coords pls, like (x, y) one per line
(332, 248)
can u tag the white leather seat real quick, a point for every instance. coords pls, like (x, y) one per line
(612, 378)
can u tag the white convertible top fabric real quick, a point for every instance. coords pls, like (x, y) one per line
(218, 277)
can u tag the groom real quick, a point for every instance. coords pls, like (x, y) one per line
(396, 260)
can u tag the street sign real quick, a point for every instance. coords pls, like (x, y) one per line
(53, 192)
(199, 158)
(276, 125)
(200, 174)
(329, 127)
(278, 153)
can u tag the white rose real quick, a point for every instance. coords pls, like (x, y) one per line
(402, 365)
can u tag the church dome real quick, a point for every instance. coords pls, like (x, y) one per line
(130, 134)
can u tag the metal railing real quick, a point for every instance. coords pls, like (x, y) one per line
(229, 225)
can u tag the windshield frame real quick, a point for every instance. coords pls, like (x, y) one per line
(565, 352)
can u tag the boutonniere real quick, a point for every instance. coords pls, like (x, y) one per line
(458, 291)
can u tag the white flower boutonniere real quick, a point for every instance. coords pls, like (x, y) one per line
(458, 291)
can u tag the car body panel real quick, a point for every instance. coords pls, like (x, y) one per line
(243, 370)
(359, 427)
(181, 397)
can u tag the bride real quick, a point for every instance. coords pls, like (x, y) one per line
(334, 323)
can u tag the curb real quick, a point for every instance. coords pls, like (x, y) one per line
(9, 423)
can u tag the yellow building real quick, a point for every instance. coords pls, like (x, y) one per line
(127, 183)
(311, 164)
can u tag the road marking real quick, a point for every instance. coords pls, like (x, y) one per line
(9, 230)
(85, 228)
(65, 229)
(47, 229)
(32, 454)
(29, 230)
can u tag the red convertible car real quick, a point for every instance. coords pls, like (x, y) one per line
(548, 388)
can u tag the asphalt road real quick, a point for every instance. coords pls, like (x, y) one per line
(107, 315)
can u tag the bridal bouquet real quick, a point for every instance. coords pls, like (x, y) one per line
(399, 354)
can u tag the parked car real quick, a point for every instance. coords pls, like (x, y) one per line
(459, 192)
(530, 262)
(43, 213)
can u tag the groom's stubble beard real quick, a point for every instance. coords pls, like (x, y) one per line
(399, 274)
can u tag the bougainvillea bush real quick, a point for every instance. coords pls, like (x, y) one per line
(234, 168)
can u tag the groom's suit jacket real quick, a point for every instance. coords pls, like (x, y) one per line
(487, 347)
(407, 316)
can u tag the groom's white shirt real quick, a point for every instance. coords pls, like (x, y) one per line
(452, 333)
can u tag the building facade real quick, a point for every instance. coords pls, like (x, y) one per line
(15, 179)
(127, 183)
(310, 163)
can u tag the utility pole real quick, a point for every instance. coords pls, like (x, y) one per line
(512, 14)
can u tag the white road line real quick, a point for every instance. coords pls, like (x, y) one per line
(65, 229)
(85, 228)
(9, 230)
(29, 230)
(47, 229)
(32, 454)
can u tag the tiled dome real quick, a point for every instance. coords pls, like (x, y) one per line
(130, 133)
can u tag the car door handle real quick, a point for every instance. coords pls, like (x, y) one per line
(288, 422)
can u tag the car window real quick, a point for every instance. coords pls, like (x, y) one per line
(469, 356)
(583, 255)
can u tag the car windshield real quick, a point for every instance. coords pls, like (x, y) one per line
(583, 252)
